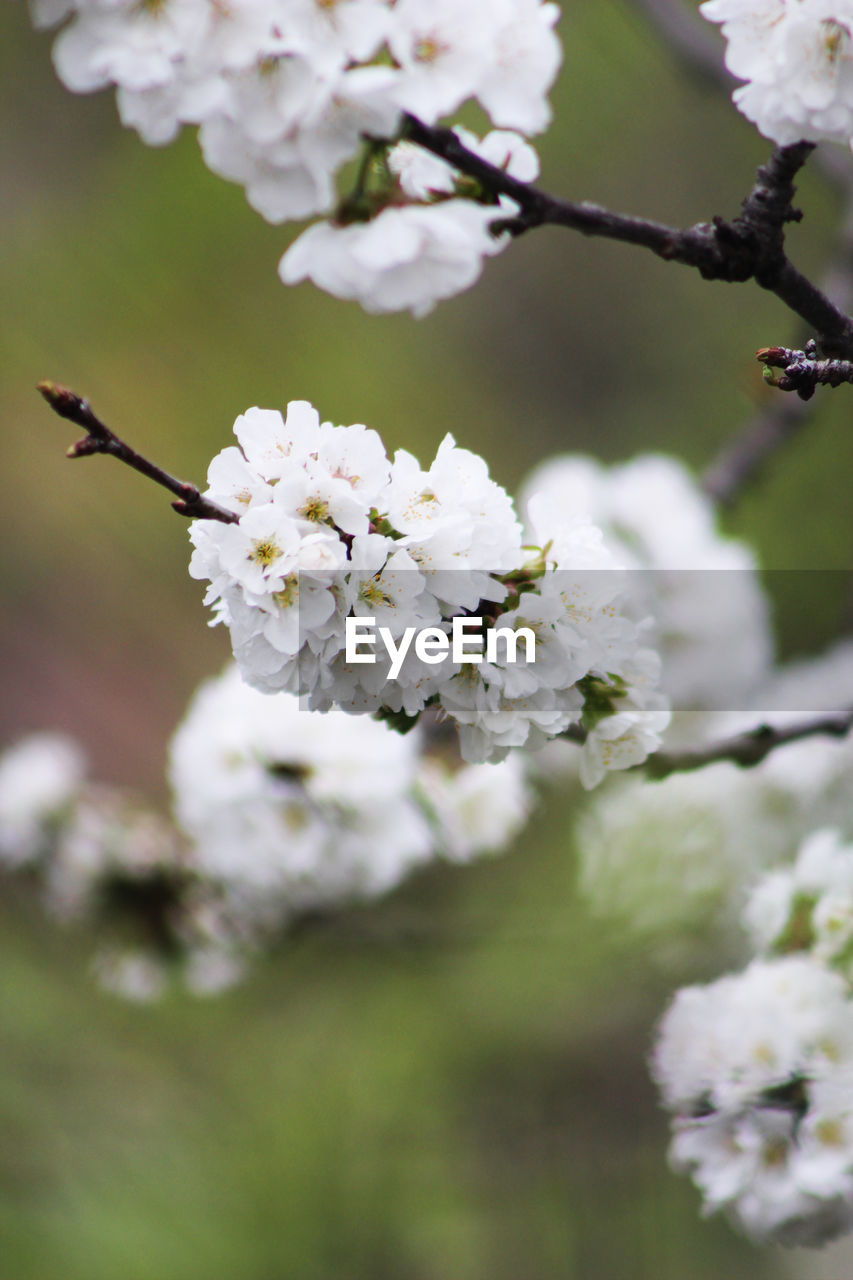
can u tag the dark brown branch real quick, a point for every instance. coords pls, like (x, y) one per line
(749, 748)
(742, 462)
(99, 439)
(746, 749)
(749, 247)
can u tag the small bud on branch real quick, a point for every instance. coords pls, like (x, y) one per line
(803, 370)
(100, 439)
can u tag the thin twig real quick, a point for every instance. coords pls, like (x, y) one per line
(741, 463)
(749, 748)
(100, 439)
(803, 371)
(749, 247)
(746, 749)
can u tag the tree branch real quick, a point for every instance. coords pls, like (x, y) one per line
(803, 371)
(99, 439)
(745, 749)
(749, 748)
(740, 463)
(749, 247)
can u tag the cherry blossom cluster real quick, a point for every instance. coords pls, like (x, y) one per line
(757, 1068)
(331, 530)
(797, 61)
(101, 857)
(296, 810)
(428, 239)
(285, 92)
(668, 864)
(278, 812)
(808, 906)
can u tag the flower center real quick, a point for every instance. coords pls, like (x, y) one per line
(834, 36)
(371, 593)
(429, 49)
(289, 593)
(265, 552)
(316, 509)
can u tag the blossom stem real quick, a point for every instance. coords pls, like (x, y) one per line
(745, 749)
(100, 439)
(749, 748)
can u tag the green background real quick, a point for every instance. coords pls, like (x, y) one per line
(451, 1084)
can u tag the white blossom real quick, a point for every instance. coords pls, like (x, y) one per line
(797, 61)
(134, 975)
(285, 93)
(476, 808)
(503, 52)
(329, 531)
(808, 906)
(108, 838)
(621, 741)
(291, 809)
(670, 861)
(407, 258)
(423, 175)
(758, 1069)
(40, 777)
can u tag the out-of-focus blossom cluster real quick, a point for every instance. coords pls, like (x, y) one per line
(758, 1069)
(38, 782)
(796, 57)
(331, 531)
(808, 906)
(707, 613)
(667, 863)
(673, 861)
(296, 810)
(286, 92)
(758, 1066)
(279, 812)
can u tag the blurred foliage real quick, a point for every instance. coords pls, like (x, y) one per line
(452, 1084)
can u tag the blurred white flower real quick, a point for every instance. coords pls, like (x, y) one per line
(758, 1068)
(797, 59)
(40, 776)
